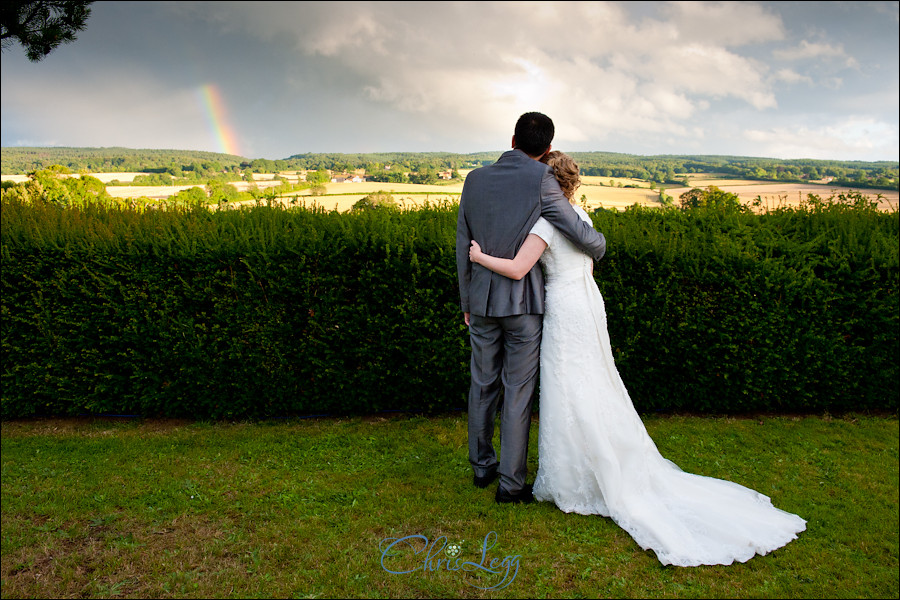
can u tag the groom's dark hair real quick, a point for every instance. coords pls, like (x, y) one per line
(534, 132)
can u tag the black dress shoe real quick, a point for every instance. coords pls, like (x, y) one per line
(524, 497)
(485, 481)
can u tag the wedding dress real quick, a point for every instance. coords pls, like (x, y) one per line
(595, 456)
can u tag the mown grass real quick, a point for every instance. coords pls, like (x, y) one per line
(107, 508)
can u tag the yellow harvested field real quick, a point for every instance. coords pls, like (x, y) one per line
(150, 191)
(342, 196)
(392, 188)
(411, 196)
(615, 197)
(612, 181)
(597, 190)
(123, 177)
(243, 186)
(784, 194)
(15, 178)
(104, 177)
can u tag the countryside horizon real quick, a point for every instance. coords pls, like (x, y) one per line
(609, 180)
(441, 152)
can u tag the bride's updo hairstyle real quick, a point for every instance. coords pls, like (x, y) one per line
(566, 171)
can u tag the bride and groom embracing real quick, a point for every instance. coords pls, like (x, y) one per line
(595, 456)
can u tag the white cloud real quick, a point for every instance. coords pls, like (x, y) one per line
(807, 50)
(791, 76)
(852, 137)
(480, 64)
(725, 23)
(713, 72)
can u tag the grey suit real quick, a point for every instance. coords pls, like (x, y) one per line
(499, 205)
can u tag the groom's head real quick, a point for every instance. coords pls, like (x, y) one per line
(533, 134)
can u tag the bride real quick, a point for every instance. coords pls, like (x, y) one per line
(595, 456)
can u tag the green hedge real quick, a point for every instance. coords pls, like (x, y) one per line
(268, 312)
(791, 311)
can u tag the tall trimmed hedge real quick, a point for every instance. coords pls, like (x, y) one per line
(789, 311)
(267, 312)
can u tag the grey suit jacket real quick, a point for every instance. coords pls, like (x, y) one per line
(499, 205)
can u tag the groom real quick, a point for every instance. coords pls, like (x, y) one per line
(498, 207)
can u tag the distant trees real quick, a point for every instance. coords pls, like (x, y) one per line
(41, 26)
(673, 169)
(153, 179)
(191, 196)
(317, 177)
(391, 176)
(218, 192)
(377, 200)
(711, 197)
(426, 174)
(265, 165)
(422, 167)
(57, 186)
(317, 181)
(20, 160)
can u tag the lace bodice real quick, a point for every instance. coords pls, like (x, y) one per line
(562, 260)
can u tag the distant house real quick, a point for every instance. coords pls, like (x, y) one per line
(445, 175)
(345, 178)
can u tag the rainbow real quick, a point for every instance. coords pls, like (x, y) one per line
(218, 121)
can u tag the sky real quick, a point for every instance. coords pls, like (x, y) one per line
(785, 80)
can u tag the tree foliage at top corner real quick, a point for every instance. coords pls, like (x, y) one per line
(41, 26)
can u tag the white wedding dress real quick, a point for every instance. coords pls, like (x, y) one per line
(595, 456)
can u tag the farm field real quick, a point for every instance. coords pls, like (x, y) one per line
(598, 191)
(150, 191)
(613, 181)
(342, 196)
(777, 194)
(104, 177)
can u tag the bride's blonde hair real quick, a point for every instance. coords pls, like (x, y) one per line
(566, 171)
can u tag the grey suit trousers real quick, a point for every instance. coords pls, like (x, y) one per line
(505, 355)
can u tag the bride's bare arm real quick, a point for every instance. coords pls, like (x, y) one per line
(515, 268)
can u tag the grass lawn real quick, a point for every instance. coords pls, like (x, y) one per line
(301, 508)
